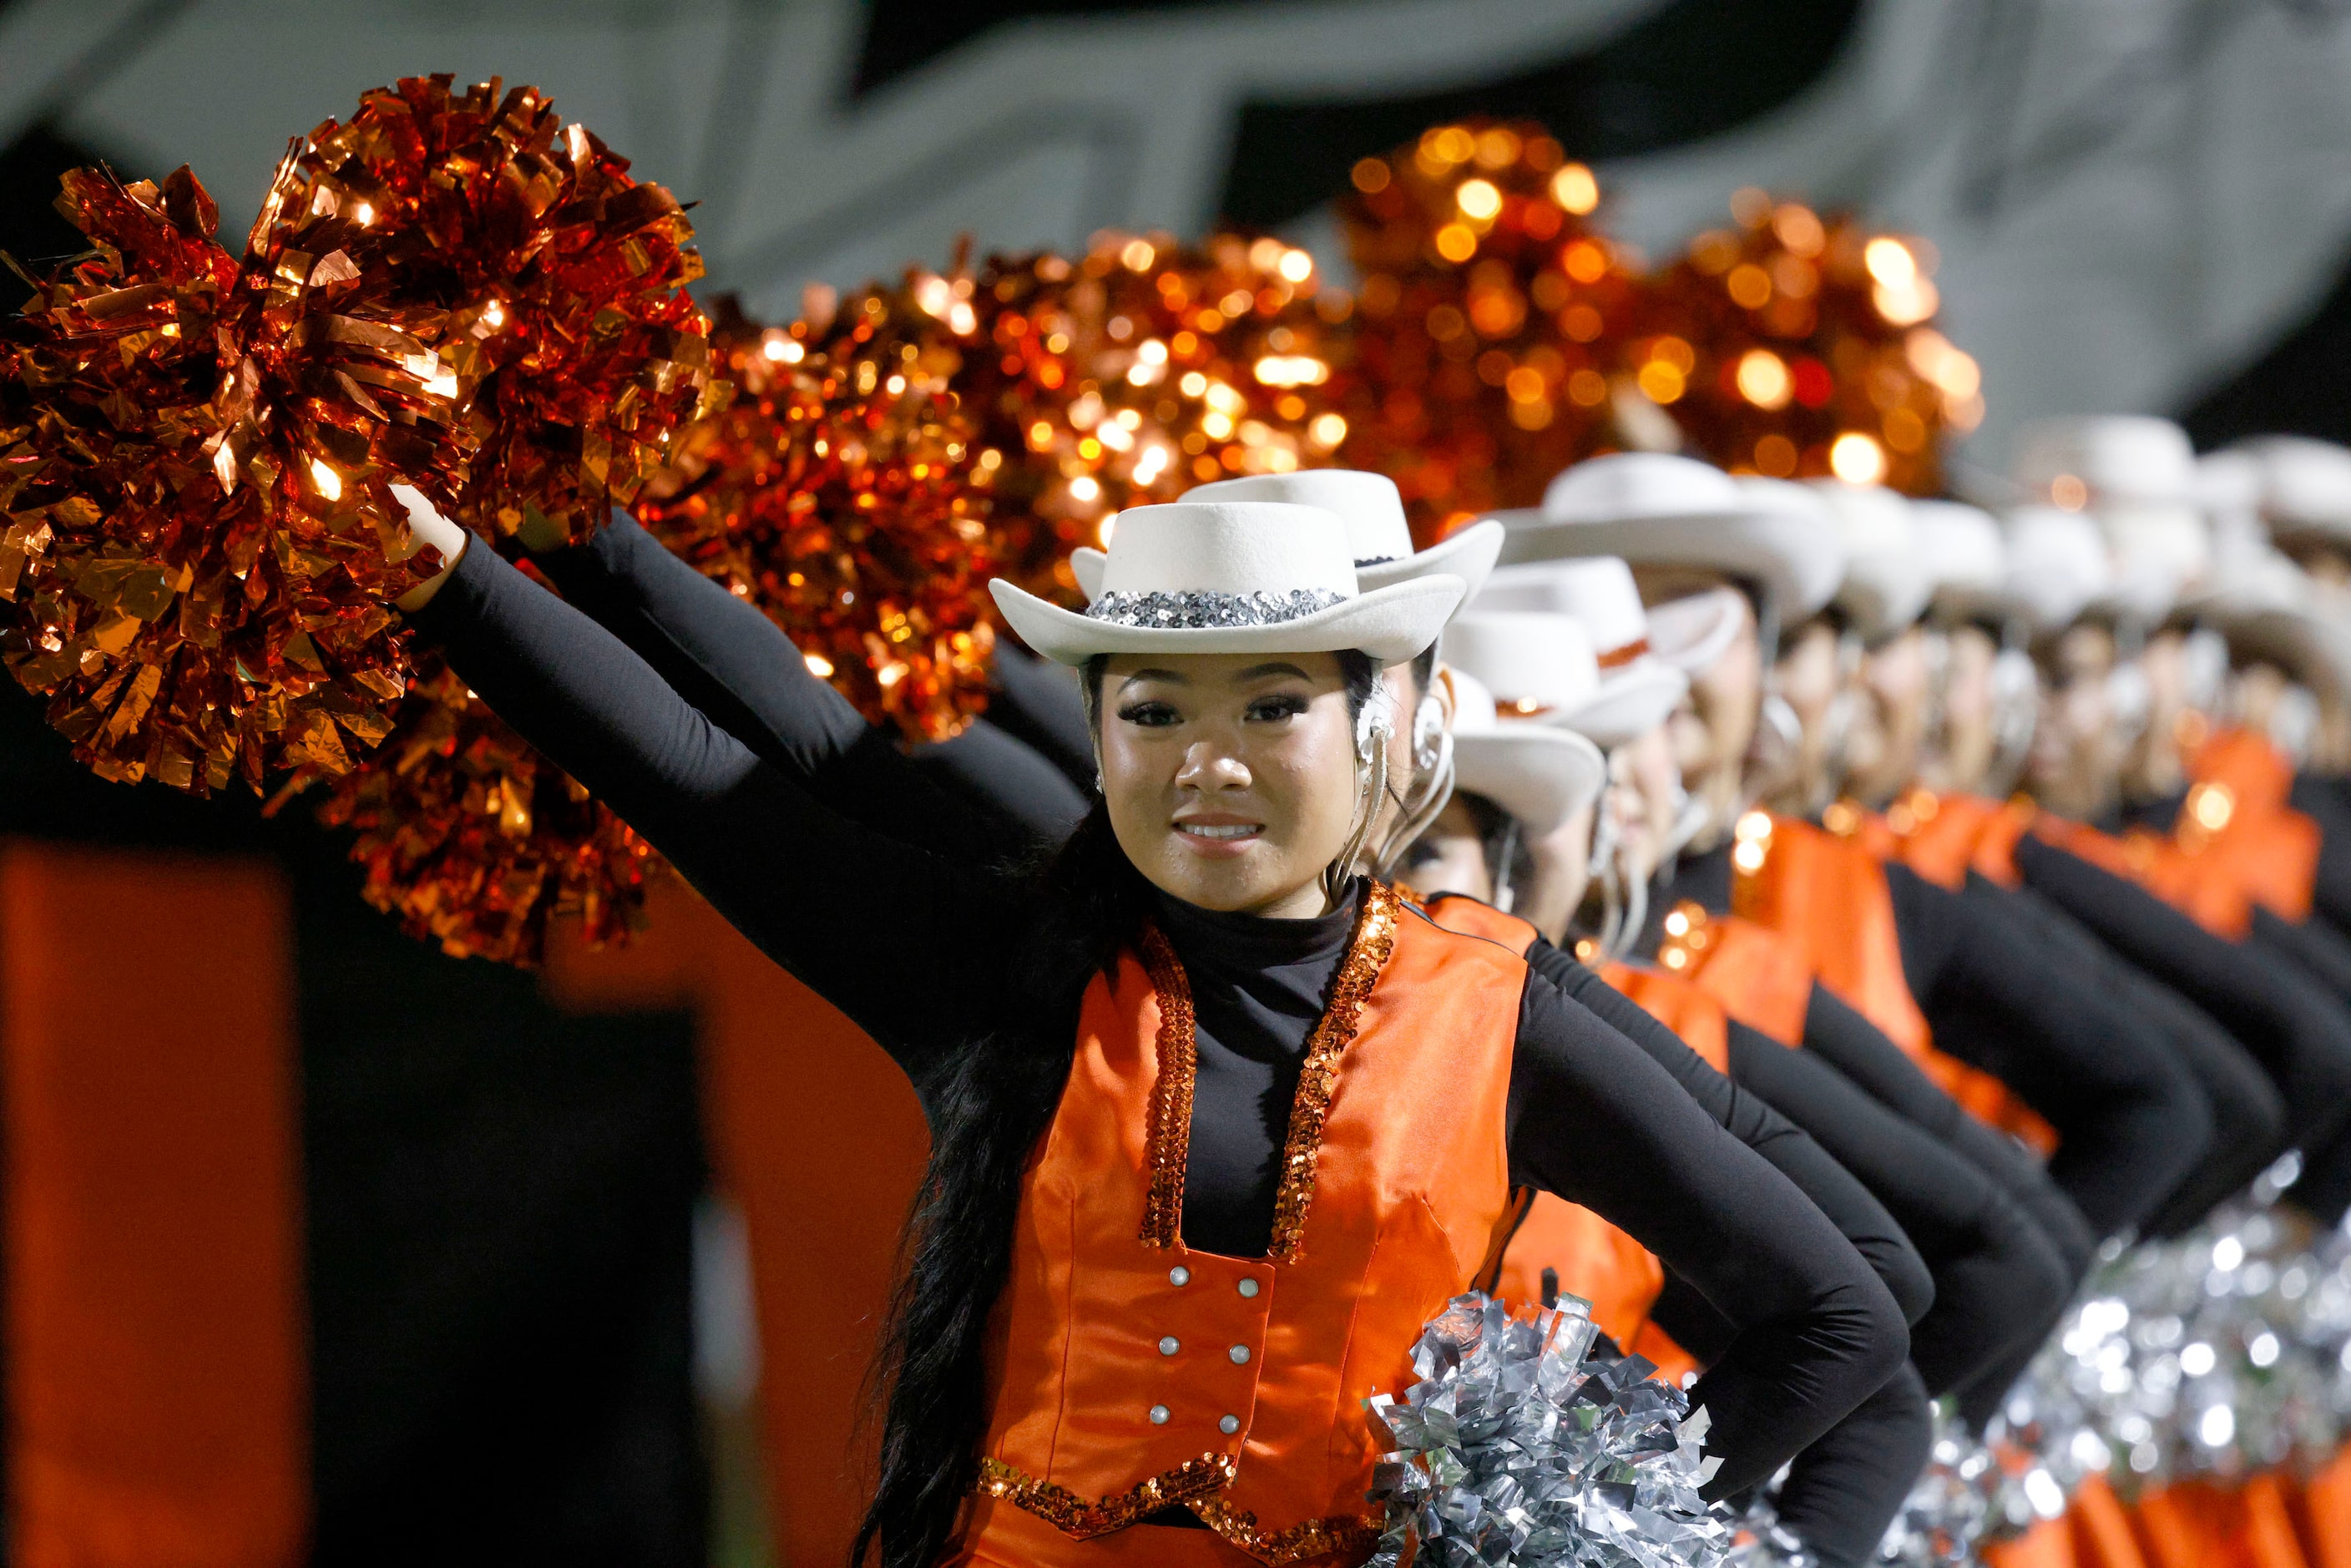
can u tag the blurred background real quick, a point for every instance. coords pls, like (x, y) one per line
(489, 1253)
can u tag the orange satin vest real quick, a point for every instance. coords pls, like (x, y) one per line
(1944, 836)
(1757, 976)
(1587, 1256)
(1133, 1372)
(1827, 894)
(2236, 843)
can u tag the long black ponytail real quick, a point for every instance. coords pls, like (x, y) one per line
(988, 1115)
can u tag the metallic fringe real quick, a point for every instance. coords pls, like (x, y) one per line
(1170, 1144)
(1367, 954)
(1072, 1515)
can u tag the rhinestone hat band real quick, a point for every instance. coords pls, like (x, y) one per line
(1202, 608)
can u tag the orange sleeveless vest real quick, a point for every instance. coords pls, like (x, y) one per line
(1944, 836)
(1828, 897)
(1133, 1371)
(1585, 1255)
(2237, 843)
(1756, 976)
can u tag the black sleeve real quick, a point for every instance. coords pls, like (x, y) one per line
(1038, 704)
(1997, 1278)
(2300, 1035)
(1595, 1121)
(1855, 1047)
(1859, 1216)
(727, 659)
(2130, 1119)
(2327, 802)
(1034, 805)
(1844, 1490)
(2248, 1116)
(2322, 952)
(826, 898)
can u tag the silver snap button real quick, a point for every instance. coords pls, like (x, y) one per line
(1229, 1425)
(1170, 1345)
(1249, 1287)
(1179, 1275)
(1159, 1415)
(1240, 1353)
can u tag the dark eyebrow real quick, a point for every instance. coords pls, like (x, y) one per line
(1259, 672)
(1150, 675)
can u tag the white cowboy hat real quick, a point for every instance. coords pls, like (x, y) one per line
(2136, 475)
(1377, 530)
(1598, 593)
(1539, 773)
(1541, 666)
(1233, 576)
(1966, 559)
(2306, 485)
(1693, 633)
(2057, 565)
(1888, 580)
(1653, 509)
(2113, 457)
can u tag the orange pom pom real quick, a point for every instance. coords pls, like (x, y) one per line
(475, 841)
(1491, 321)
(1138, 372)
(1812, 350)
(550, 282)
(194, 459)
(841, 493)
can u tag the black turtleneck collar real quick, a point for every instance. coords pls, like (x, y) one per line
(1230, 941)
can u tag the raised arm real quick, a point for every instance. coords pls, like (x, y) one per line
(977, 799)
(1816, 1332)
(852, 913)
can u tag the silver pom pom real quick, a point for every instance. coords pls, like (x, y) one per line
(1520, 1448)
(1949, 1507)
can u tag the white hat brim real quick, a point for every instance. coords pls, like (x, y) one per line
(1705, 641)
(1469, 555)
(1390, 624)
(1539, 774)
(1632, 701)
(1882, 599)
(1795, 562)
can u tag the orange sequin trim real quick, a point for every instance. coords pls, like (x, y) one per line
(1300, 1542)
(1170, 1144)
(1367, 954)
(1072, 1515)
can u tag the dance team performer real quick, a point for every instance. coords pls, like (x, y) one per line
(1196, 1267)
(661, 606)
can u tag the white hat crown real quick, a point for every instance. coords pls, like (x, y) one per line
(1368, 504)
(1626, 486)
(2305, 484)
(1598, 592)
(1229, 546)
(2057, 563)
(1886, 578)
(1233, 576)
(1962, 546)
(2114, 456)
(1531, 661)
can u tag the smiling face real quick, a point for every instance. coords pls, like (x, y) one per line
(1231, 777)
(1645, 792)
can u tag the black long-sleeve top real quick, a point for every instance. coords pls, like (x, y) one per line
(1591, 1117)
(730, 660)
(2299, 1034)
(1860, 1051)
(1838, 1495)
(2131, 1119)
(2247, 1112)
